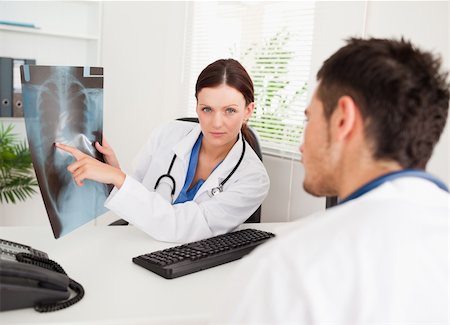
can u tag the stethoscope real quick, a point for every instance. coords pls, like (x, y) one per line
(214, 191)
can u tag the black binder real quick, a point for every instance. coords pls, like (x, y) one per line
(6, 86)
(10, 86)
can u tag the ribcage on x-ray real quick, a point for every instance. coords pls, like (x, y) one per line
(62, 109)
(63, 97)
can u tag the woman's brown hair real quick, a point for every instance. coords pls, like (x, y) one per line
(233, 74)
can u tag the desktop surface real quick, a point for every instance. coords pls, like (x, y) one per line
(117, 290)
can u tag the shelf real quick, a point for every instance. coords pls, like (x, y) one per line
(11, 119)
(27, 30)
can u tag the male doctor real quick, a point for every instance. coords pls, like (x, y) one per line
(381, 255)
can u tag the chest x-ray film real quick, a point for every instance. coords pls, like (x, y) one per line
(65, 105)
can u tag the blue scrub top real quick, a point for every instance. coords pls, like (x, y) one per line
(185, 194)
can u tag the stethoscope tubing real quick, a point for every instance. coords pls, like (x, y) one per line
(168, 176)
(215, 190)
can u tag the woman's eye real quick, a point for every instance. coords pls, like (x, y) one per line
(230, 110)
(206, 109)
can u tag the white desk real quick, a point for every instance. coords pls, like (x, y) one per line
(117, 291)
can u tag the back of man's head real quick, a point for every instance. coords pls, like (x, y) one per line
(401, 93)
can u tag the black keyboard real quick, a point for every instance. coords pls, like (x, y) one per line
(200, 255)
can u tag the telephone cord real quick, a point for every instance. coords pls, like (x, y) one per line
(53, 266)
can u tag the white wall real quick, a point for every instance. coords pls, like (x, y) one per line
(142, 56)
(142, 52)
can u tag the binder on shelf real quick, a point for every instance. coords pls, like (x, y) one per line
(6, 87)
(17, 86)
(11, 104)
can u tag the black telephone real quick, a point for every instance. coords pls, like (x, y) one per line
(28, 278)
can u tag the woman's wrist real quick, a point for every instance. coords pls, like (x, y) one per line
(119, 178)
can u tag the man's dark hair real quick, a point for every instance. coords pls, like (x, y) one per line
(401, 93)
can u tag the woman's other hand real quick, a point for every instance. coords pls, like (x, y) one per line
(108, 153)
(87, 167)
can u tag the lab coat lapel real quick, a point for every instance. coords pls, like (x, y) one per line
(183, 151)
(184, 147)
(224, 169)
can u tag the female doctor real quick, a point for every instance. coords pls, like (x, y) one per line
(191, 180)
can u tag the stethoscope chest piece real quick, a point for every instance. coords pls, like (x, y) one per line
(216, 190)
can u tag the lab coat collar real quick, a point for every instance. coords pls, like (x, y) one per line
(183, 148)
(392, 176)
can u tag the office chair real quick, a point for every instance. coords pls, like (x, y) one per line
(256, 216)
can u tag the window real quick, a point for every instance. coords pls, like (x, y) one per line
(273, 41)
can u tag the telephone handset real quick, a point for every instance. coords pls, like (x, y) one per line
(28, 278)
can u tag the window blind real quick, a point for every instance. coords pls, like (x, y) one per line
(273, 41)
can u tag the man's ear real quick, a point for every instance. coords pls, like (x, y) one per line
(344, 118)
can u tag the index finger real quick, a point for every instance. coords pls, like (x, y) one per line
(73, 151)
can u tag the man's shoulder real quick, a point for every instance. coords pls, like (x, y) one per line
(420, 202)
(297, 235)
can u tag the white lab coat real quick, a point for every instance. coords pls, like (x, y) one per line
(379, 259)
(205, 216)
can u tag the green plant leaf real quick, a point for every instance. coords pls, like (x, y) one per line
(17, 180)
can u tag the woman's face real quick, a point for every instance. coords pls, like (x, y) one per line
(221, 111)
